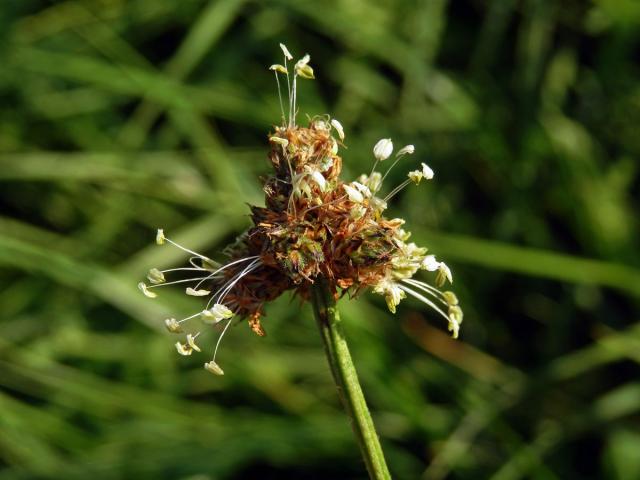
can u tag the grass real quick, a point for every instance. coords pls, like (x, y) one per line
(122, 117)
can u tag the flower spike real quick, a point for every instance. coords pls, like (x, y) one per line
(314, 226)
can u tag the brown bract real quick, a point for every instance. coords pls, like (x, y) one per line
(308, 227)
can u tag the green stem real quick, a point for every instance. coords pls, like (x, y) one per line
(346, 379)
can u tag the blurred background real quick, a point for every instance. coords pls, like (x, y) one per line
(119, 117)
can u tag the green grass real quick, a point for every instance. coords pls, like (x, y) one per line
(122, 117)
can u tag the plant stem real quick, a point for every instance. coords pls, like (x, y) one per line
(346, 379)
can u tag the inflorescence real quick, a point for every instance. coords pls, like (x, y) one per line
(313, 225)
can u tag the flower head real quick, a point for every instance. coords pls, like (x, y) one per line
(313, 225)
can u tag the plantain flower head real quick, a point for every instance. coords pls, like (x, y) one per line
(313, 225)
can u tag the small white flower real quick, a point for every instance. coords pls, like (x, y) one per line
(357, 212)
(214, 368)
(173, 325)
(144, 289)
(415, 176)
(285, 50)
(160, 238)
(197, 293)
(407, 149)
(378, 204)
(216, 313)
(374, 182)
(183, 349)
(430, 263)
(191, 342)
(363, 189)
(353, 193)
(338, 126)
(383, 149)
(393, 294)
(320, 180)
(427, 172)
(155, 276)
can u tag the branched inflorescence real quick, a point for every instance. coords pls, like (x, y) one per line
(312, 225)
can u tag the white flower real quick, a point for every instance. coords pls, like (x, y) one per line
(357, 212)
(197, 293)
(415, 176)
(378, 204)
(216, 313)
(338, 126)
(427, 172)
(285, 50)
(393, 294)
(320, 180)
(364, 190)
(383, 149)
(353, 193)
(407, 149)
(144, 289)
(214, 368)
(430, 263)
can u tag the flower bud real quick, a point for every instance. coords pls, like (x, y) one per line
(353, 193)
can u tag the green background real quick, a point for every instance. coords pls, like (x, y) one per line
(118, 117)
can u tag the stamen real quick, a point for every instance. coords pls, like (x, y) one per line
(280, 98)
(185, 249)
(424, 299)
(223, 268)
(215, 351)
(254, 265)
(175, 282)
(396, 190)
(434, 292)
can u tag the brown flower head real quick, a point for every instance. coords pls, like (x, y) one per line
(313, 225)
